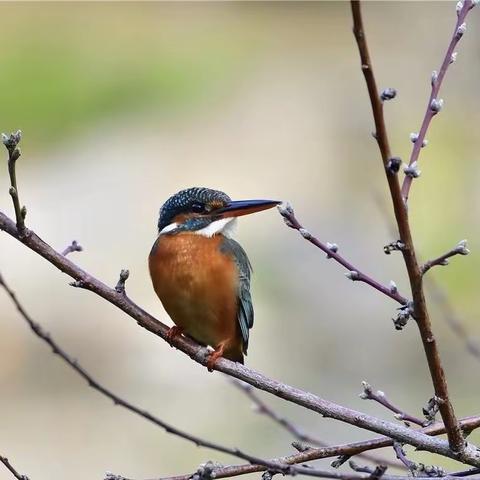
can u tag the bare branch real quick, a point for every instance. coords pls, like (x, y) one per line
(37, 329)
(435, 103)
(12, 470)
(420, 312)
(73, 247)
(236, 370)
(332, 252)
(380, 397)
(460, 249)
(309, 454)
(120, 287)
(11, 144)
(264, 409)
(417, 469)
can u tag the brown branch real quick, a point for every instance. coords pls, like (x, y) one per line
(439, 297)
(11, 144)
(380, 397)
(12, 470)
(332, 252)
(460, 249)
(264, 409)
(420, 311)
(200, 355)
(435, 104)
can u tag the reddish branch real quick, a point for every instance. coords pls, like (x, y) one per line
(434, 103)
(353, 272)
(420, 311)
(460, 249)
(378, 396)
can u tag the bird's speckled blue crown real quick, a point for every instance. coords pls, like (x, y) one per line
(183, 201)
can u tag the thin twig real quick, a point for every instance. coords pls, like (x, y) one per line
(362, 473)
(328, 452)
(200, 355)
(399, 452)
(439, 296)
(460, 249)
(434, 103)
(378, 396)
(353, 273)
(11, 144)
(73, 247)
(123, 277)
(12, 470)
(264, 409)
(37, 329)
(420, 311)
(279, 465)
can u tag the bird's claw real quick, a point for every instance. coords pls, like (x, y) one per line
(173, 332)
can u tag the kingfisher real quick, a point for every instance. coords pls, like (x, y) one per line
(201, 274)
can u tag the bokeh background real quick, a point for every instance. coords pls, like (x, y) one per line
(122, 105)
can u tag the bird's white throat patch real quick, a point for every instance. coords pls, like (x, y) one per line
(225, 226)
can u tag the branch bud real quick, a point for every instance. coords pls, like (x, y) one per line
(305, 233)
(353, 275)
(434, 78)
(461, 248)
(453, 58)
(461, 31)
(388, 94)
(412, 170)
(436, 105)
(393, 165)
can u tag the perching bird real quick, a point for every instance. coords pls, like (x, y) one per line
(202, 275)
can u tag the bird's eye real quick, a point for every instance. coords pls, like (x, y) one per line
(198, 208)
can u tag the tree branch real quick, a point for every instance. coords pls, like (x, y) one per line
(11, 144)
(12, 470)
(460, 249)
(73, 247)
(332, 252)
(435, 104)
(236, 370)
(264, 409)
(420, 311)
(380, 397)
(37, 329)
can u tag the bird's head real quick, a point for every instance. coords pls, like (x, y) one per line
(205, 211)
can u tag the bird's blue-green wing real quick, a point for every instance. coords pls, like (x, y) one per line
(245, 307)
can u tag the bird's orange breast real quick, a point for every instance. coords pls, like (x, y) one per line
(198, 286)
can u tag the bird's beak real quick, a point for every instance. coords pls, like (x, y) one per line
(244, 207)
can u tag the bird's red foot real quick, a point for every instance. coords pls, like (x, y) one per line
(213, 357)
(173, 333)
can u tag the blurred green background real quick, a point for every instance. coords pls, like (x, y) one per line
(123, 104)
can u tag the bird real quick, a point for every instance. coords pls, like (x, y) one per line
(201, 274)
